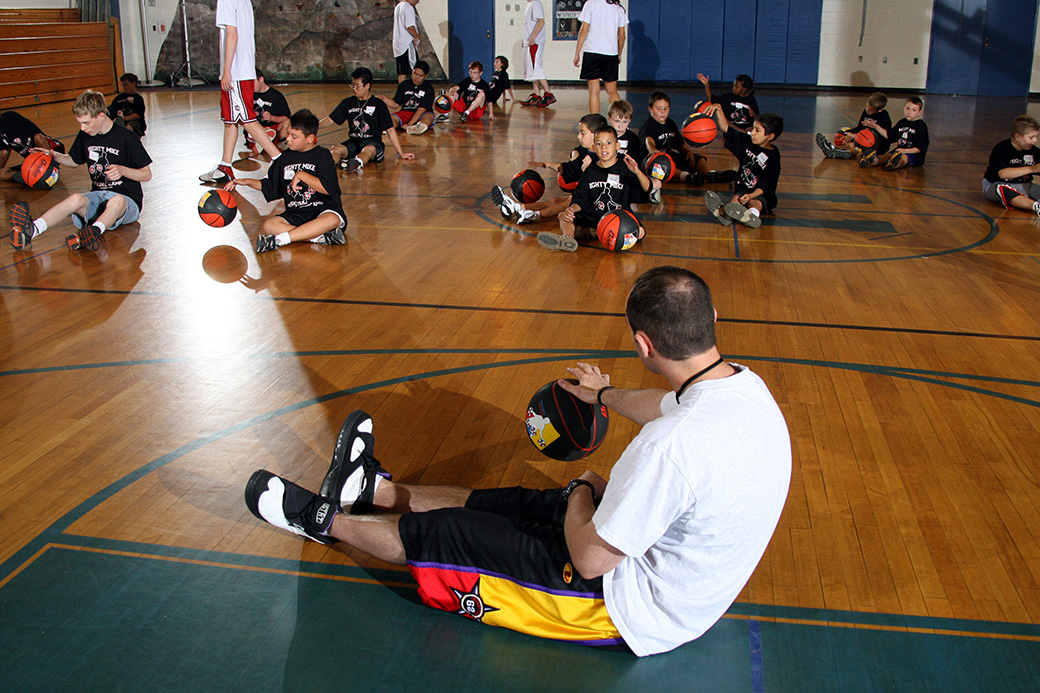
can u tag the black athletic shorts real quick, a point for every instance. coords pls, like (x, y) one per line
(599, 66)
(404, 62)
(355, 145)
(297, 218)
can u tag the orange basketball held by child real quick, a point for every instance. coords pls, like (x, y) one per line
(699, 129)
(659, 165)
(527, 186)
(701, 106)
(866, 140)
(39, 171)
(442, 104)
(841, 137)
(218, 208)
(562, 426)
(564, 185)
(618, 230)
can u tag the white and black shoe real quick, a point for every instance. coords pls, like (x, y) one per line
(351, 479)
(293, 508)
(506, 205)
(333, 237)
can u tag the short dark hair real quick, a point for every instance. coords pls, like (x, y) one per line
(915, 100)
(477, 64)
(362, 73)
(129, 77)
(746, 81)
(260, 73)
(772, 123)
(878, 100)
(504, 60)
(304, 121)
(1023, 124)
(422, 65)
(673, 307)
(593, 122)
(606, 128)
(659, 96)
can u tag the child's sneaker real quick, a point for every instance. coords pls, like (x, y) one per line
(506, 205)
(417, 129)
(333, 237)
(84, 239)
(354, 165)
(526, 216)
(546, 100)
(286, 505)
(714, 204)
(351, 479)
(1036, 207)
(557, 241)
(21, 224)
(695, 178)
(265, 243)
(829, 150)
(655, 196)
(895, 161)
(532, 100)
(221, 174)
(738, 212)
(1007, 193)
(442, 118)
(868, 160)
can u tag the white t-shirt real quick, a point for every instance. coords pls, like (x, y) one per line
(604, 20)
(404, 17)
(532, 14)
(239, 14)
(693, 502)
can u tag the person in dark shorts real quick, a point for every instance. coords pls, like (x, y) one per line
(412, 105)
(369, 119)
(600, 42)
(127, 108)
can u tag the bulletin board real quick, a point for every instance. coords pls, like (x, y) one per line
(565, 19)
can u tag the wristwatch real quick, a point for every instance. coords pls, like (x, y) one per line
(575, 483)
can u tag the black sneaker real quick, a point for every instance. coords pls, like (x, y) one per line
(85, 239)
(825, 146)
(532, 100)
(726, 176)
(265, 243)
(21, 224)
(547, 99)
(350, 481)
(695, 178)
(868, 160)
(354, 165)
(333, 237)
(284, 504)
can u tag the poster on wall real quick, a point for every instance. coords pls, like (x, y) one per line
(565, 19)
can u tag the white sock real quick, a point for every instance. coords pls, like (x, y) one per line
(224, 163)
(101, 227)
(38, 227)
(283, 239)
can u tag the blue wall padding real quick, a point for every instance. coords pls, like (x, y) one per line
(771, 43)
(738, 42)
(803, 42)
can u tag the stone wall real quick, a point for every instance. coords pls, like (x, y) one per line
(299, 40)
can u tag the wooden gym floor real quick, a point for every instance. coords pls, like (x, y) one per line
(893, 315)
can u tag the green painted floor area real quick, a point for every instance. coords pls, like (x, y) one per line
(83, 620)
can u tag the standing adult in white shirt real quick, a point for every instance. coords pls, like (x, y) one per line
(602, 35)
(534, 51)
(406, 39)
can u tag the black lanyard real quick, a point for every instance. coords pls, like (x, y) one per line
(694, 377)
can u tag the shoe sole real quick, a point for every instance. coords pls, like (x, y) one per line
(714, 204)
(555, 241)
(738, 212)
(498, 196)
(342, 466)
(19, 219)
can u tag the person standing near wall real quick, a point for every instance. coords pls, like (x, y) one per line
(534, 51)
(603, 25)
(406, 39)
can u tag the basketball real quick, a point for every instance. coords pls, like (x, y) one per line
(225, 264)
(699, 129)
(866, 139)
(527, 186)
(841, 137)
(618, 230)
(39, 171)
(563, 427)
(442, 104)
(701, 106)
(218, 208)
(564, 185)
(660, 166)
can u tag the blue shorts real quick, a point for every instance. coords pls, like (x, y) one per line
(95, 198)
(913, 159)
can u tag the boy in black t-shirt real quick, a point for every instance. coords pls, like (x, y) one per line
(619, 117)
(910, 135)
(272, 111)
(873, 117)
(754, 193)
(117, 163)
(739, 106)
(500, 84)
(127, 107)
(661, 134)
(569, 173)
(304, 178)
(611, 183)
(20, 135)
(1012, 164)
(369, 119)
(412, 105)
(470, 96)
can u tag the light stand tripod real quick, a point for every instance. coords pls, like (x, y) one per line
(187, 80)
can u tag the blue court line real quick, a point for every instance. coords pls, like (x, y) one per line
(758, 684)
(736, 241)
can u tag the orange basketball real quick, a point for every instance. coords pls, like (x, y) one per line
(701, 106)
(866, 139)
(527, 186)
(618, 230)
(564, 185)
(39, 171)
(660, 165)
(699, 129)
(218, 208)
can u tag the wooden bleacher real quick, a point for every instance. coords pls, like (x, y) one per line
(48, 55)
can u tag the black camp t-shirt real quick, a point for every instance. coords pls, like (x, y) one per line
(368, 119)
(119, 146)
(468, 90)
(1004, 155)
(17, 132)
(665, 135)
(412, 97)
(601, 190)
(571, 171)
(758, 167)
(738, 109)
(908, 134)
(499, 84)
(134, 103)
(631, 143)
(881, 118)
(307, 201)
(273, 102)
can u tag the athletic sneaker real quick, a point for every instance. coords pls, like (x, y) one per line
(526, 216)
(738, 212)
(695, 178)
(895, 161)
(547, 99)
(265, 243)
(655, 196)
(442, 118)
(354, 165)
(350, 481)
(84, 239)
(1036, 207)
(221, 174)
(506, 205)
(557, 241)
(726, 176)
(286, 505)
(333, 237)
(21, 224)
(1007, 193)
(868, 160)
(825, 146)
(417, 129)
(532, 100)
(714, 204)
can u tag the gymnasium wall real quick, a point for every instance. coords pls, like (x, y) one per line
(1034, 82)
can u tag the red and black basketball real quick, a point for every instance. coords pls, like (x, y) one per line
(562, 426)
(866, 140)
(442, 104)
(527, 186)
(701, 106)
(39, 171)
(841, 137)
(660, 166)
(218, 208)
(564, 185)
(699, 129)
(618, 230)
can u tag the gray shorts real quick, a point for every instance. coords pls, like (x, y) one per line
(1030, 190)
